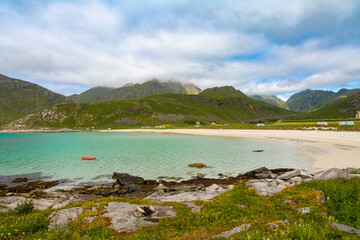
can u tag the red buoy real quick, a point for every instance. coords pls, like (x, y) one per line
(87, 158)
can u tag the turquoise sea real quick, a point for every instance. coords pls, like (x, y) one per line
(143, 154)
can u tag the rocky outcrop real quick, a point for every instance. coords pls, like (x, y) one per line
(194, 208)
(188, 193)
(60, 219)
(123, 218)
(127, 179)
(238, 229)
(31, 186)
(332, 173)
(268, 187)
(345, 228)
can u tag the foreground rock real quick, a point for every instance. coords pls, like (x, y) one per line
(238, 229)
(50, 200)
(60, 219)
(190, 193)
(123, 218)
(332, 173)
(268, 187)
(127, 179)
(345, 228)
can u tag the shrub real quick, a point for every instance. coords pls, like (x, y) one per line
(24, 208)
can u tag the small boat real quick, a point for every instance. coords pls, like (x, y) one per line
(87, 158)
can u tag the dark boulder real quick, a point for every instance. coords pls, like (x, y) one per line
(127, 179)
(262, 172)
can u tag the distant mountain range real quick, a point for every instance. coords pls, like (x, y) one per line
(156, 102)
(274, 100)
(19, 98)
(343, 107)
(224, 104)
(308, 100)
(134, 91)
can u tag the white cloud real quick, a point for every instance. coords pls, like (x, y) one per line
(264, 47)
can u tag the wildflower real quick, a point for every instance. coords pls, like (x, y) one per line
(9, 234)
(23, 233)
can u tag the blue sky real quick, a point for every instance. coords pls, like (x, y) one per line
(260, 47)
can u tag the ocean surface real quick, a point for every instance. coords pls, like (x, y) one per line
(148, 155)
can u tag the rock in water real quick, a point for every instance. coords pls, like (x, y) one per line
(21, 179)
(197, 165)
(127, 179)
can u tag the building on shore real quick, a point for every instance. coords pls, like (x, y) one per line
(349, 123)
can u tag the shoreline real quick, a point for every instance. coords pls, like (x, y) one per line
(327, 149)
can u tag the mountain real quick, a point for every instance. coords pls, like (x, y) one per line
(274, 100)
(341, 108)
(222, 92)
(309, 100)
(217, 104)
(134, 91)
(18, 98)
(96, 94)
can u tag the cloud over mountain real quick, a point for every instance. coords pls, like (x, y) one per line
(261, 47)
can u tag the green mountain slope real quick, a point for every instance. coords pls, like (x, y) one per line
(156, 109)
(342, 108)
(309, 100)
(95, 94)
(18, 98)
(274, 100)
(134, 91)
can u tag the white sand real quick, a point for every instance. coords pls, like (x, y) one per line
(327, 148)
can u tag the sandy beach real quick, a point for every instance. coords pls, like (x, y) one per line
(327, 148)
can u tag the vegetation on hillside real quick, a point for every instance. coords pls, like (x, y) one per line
(156, 109)
(271, 100)
(309, 100)
(342, 108)
(20, 98)
(270, 217)
(134, 91)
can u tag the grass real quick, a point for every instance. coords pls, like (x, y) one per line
(354, 171)
(343, 199)
(219, 215)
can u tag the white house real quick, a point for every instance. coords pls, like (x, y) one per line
(260, 125)
(322, 123)
(349, 123)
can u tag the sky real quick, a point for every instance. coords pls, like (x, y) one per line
(274, 47)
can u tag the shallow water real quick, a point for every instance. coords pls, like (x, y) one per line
(144, 154)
